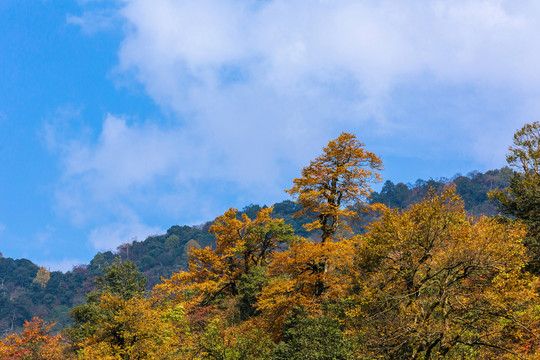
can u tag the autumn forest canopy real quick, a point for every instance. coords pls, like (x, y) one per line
(443, 268)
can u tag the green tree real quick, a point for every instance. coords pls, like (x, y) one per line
(121, 280)
(521, 199)
(525, 152)
(308, 337)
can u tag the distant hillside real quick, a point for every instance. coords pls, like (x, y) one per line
(21, 297)
(159, 256)
(472, 188)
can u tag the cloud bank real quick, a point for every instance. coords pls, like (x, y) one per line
(273, 71)
(253, 89)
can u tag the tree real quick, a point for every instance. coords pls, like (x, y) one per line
(525, 153)
(222, 341)
(433, 282)
(341, 176)
(135, 329)
(521, 199)
(121, 280)
(118, 322)
(298, 279)
(34, 343)
(42, 277)
(242, 244)
(308, 337)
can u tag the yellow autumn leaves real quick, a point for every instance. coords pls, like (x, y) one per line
(423, 283)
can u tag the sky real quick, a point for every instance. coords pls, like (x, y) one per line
(119, 119)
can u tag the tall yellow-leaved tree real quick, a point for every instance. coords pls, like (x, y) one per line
(309, 273)
(340, 177)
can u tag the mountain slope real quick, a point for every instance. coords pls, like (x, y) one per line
(159, 256)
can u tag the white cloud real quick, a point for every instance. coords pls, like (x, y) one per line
(278, 70)
(106, 177)
(94, 21)
(123, 157)
(258, 87)
(162, 170)
(294, 42)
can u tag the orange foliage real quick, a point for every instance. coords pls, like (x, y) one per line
(299, 279)
(34, 343)
(340, 177)
(240, 245)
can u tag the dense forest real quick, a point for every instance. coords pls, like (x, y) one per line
(438, 268)
(22, 297)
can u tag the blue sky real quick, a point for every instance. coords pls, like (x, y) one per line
(119, 119)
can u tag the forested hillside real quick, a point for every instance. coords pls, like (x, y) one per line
(22, 297)
(472, 188)
(435, 274)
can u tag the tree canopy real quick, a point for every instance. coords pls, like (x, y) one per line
(432, 282)
(341, 176)
(525, 151)
(521, 200)
(424, 280)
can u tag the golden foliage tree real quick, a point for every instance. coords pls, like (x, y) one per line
(42, 277)
(241, 244)
(340, 177)
(298, 279)
(433, 282)
(134, 329)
